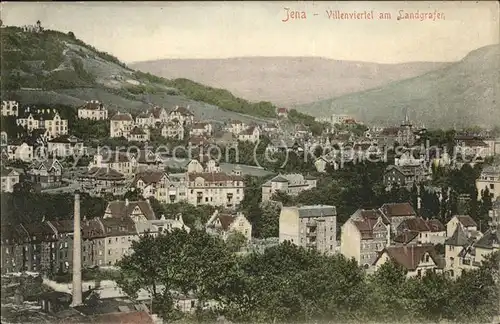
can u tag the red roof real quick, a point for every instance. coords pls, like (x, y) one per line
(466, 220)
(398, 210)
(409, 256)
(122, 117)
(282, 110)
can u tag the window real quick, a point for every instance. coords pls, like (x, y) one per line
(427, 258)
(492, 186)
(109, 252)
(419, 273)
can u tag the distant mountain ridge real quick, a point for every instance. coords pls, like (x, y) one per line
(286, 80)
(465, 93)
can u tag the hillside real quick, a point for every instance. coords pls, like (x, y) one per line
(56, 68)
(464, 93)
(286, 80)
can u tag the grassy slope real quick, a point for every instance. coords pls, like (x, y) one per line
(69, 70)
(462, 94)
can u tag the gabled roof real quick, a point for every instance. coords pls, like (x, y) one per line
(459, 238)
(416, 224)
(119, 208)
(148, 177)
(183, 111)
(122, 117)
(248, 131)
(466, 220)
(490, 239)
(435, 225)
(410, 256)
(103, 173)
(397, 210)
(406, 237)
(118, 226)
(8, 172)
(63, 226)
(92, 105)
(137, 131)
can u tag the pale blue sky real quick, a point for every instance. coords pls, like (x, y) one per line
(148, 31)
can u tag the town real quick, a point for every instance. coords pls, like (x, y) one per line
(418, 226)
(132, 197)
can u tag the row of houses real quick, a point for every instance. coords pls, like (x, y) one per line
(47, 246)
(393, 232)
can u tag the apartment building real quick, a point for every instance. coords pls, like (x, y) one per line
(215, 188)
(365, 234)
(224, 223)
(120, 125)
(312, 226)
(489, 178)
(10, 177)
(291, 184)
(93, 110)
(46, 119)
(10, 108)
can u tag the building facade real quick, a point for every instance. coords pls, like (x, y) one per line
(309, 226)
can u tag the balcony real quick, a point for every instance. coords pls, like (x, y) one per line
(311, 233)
(311, 223)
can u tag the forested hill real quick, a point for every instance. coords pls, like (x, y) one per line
(465, 93)
(51, 67)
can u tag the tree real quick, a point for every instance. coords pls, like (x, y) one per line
(235, 241)
(71, 35)
(134, 194)
(177, 263)
(386, 288)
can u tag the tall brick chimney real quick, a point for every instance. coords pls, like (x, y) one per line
(77, 254)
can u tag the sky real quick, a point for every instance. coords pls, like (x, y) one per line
(158, 30)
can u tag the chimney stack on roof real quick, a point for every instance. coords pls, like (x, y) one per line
(77, 255)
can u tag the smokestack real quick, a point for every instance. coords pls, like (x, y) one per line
(77, 251)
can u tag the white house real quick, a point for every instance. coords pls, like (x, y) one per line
(9, 178)
(23, 152)
(10, 108)
(415, 259)
(200, 129)
(251, 134)
(93, 110)
(120, 125)
(224, 224)
(173, 130)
